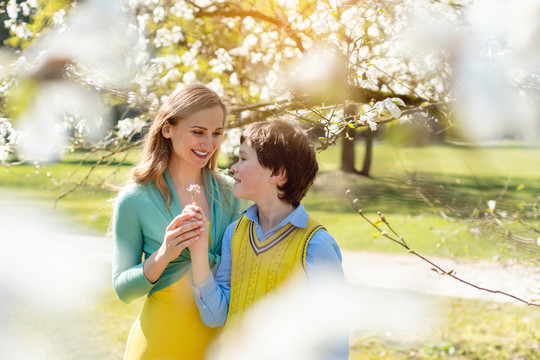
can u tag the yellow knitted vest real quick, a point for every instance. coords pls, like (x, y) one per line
(259, 267)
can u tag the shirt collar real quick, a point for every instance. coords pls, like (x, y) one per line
(298, 217)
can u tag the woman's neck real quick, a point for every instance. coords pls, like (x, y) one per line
(184, 176)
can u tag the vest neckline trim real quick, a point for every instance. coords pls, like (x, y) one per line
(260, 247)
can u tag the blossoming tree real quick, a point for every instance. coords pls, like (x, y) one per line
(332, 64)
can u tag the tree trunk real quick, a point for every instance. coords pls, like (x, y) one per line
(347, 151)
(370, 135)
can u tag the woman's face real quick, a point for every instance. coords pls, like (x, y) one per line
(196, 138)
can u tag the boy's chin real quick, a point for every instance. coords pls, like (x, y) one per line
(238, 194)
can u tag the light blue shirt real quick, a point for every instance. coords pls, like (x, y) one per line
(213, 295)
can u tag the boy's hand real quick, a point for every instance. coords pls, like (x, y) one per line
(184, 230)
(199, 246)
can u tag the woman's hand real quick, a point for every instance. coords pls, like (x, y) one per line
(184, 230)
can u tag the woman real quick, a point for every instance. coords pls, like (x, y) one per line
(150, 256)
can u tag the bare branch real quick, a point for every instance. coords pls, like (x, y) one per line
(436, 267)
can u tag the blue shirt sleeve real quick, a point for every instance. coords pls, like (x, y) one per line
(213, 295)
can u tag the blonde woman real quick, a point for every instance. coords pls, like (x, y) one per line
(151, 233)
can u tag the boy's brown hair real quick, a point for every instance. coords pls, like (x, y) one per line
(283, 144)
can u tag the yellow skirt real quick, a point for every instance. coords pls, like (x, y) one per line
(169, 326)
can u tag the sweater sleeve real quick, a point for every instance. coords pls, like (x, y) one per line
(129, 281)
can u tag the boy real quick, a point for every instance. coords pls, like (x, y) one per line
(275, 238)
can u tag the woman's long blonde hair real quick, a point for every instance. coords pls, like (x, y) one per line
(156, 153)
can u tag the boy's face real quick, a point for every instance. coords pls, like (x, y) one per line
(252, 180)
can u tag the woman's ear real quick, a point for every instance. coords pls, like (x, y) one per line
(166, 131)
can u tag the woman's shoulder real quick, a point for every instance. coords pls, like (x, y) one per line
(133, 192)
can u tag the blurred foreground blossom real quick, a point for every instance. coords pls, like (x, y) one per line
(60, 76)
(50, 271)
(305, 319)
(493, 49)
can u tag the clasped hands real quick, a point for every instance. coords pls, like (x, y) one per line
(189, 229)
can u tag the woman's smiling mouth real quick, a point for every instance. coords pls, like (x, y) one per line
(201, 154)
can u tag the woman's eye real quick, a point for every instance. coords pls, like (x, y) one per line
(198, 132)
(218, 134)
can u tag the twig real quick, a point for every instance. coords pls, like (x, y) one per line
(439, 270)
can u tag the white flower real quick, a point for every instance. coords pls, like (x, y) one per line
(372, 125)
(12, 10)
(159, 14)
(58, 17)
(231, 141)
(538, 241)
(390, 104)
(491, 205)
(4, 153)
(189, 77)
(129, 126)
(233, 79)
(22, 31)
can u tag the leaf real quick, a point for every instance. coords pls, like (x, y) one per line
(376, 235)
(378, 222)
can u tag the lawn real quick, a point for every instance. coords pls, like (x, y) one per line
(462, 329)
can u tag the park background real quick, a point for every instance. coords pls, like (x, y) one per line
(428, 112)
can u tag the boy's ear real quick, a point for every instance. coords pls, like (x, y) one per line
(278, 176)
(166, 131)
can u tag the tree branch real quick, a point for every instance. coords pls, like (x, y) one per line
(439, 270)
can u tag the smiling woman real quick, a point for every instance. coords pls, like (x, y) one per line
(151, 233)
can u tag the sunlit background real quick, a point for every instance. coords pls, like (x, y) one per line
(86, 77)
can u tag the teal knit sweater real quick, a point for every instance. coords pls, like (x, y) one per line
(139, 223)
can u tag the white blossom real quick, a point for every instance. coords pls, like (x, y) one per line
(231, 141)
(181, 10)
(189, 77)
(22, 31)
(159, 14)
(372, 125)
(222, 62)
(13, 9)
(491, 205)
(390, 104)
(233, 79)
(216, 85)
(25, 8)
(130, 126)
(58, 17)
(538, 241)
(4, 152)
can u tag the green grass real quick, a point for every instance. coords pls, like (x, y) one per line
(460, 329)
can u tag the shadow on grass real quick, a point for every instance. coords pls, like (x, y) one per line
(418, 193)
